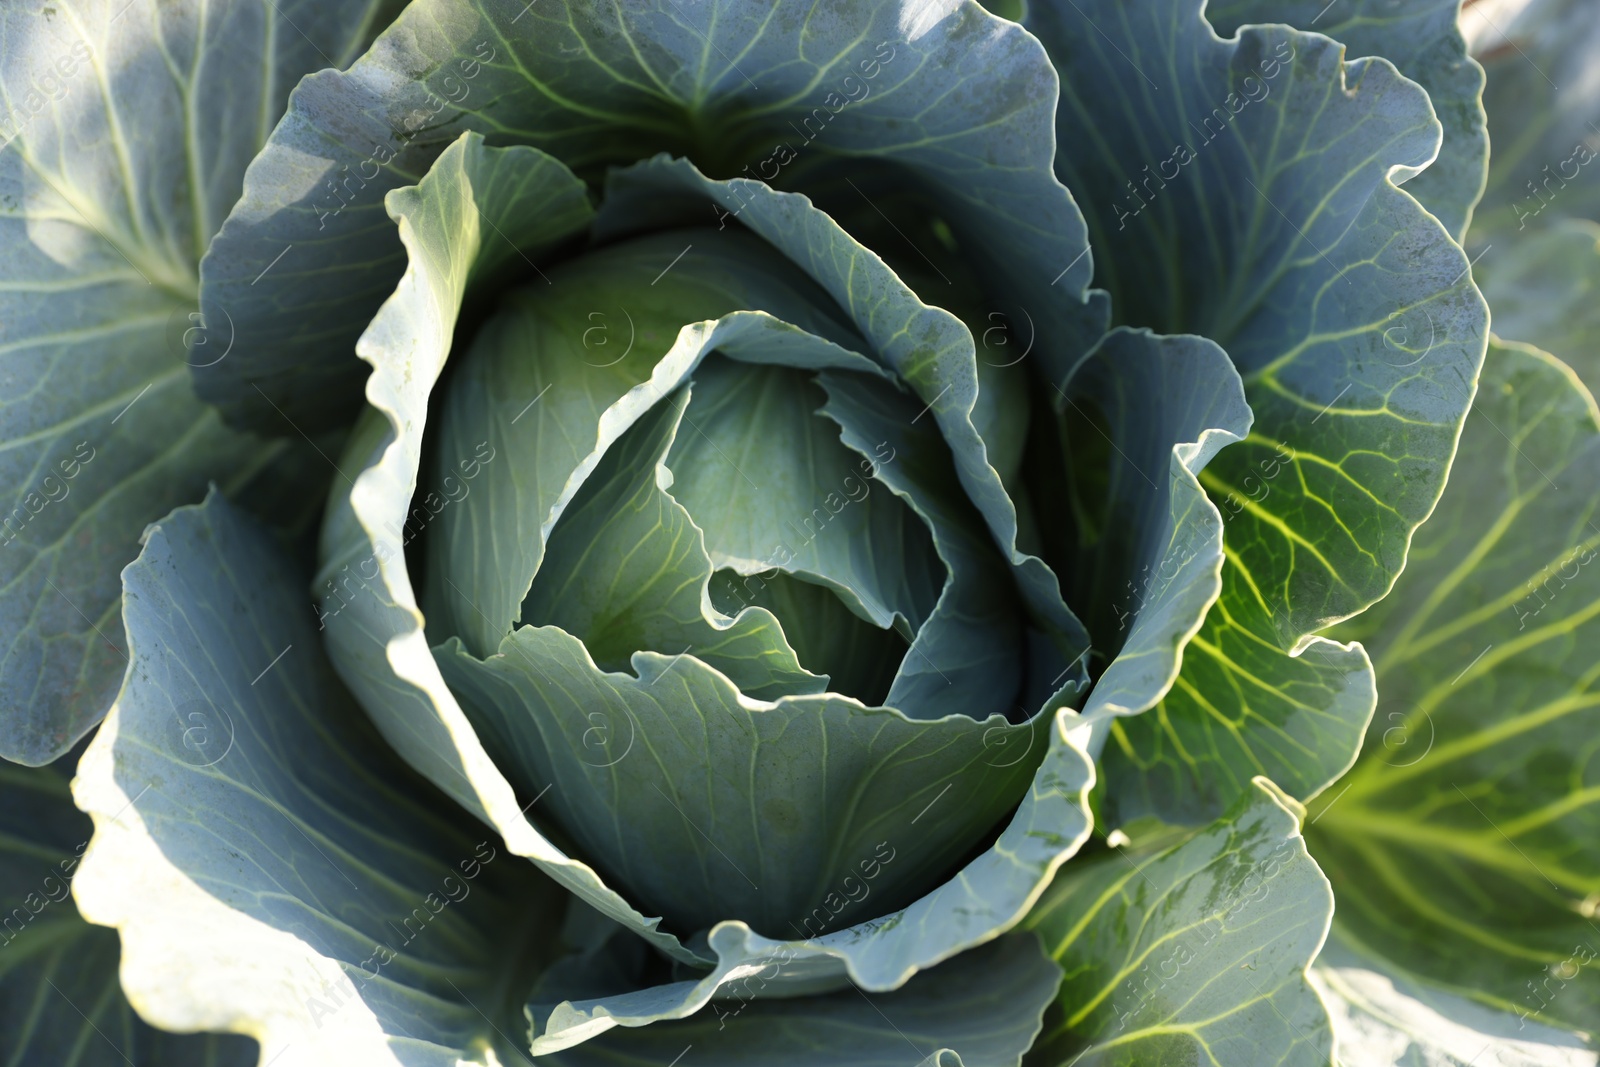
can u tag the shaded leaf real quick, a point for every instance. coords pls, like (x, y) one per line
(1463, 844)
(1298, 255)
(981, 1010)
(280, 873)
(1385, 1019)
(125, 128)
(59, 998)
(1132, 530)
(603, 85)
(1545, 291)
(1544, 116)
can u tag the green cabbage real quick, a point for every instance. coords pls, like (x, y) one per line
(774, 533)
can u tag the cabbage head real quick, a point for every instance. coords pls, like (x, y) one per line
(710, 532)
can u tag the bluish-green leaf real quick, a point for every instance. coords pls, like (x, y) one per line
(1244, 190)
(125, 128)
(857, 657)
(704, 805)
(1465, 845)
(970, 655)
(554, 377)
(1195, 955)
(879, 557)
(927, 348)
(990, 895)
(1421, 38)
(1384, 1018)
(627, 571)
(1240, 707)
(1131, 530)
(59, 999)
(980, 1010)
(374, 627)
(1543, 107)
(271, 866)
(376, 639)
(756, 833)
(959, 101)
(1544, 287)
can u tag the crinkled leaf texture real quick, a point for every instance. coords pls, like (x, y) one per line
(274, 869)
(1143, 556)
(288, 877)
(1244, 190)
(125, 130)
(982, 1009)
(59, 999)
(1197, 954)
(1463, 846)
(376, 639)
(1423, 40)
(598, 85)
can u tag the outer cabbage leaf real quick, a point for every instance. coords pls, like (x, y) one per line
(125, 129)
(59, 999)
(1301, 300)
(271, 867)
(1240, 706)
(1351, 317)
(1300, 719)
(1463, 846)
(882, 953)
(981, 1010)
(603, 85)
(1545, 291)
(1422, 39)
(1544, 110)
(374, 628)
(1197, 954)
(1132, 531)
(1385, 1019)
